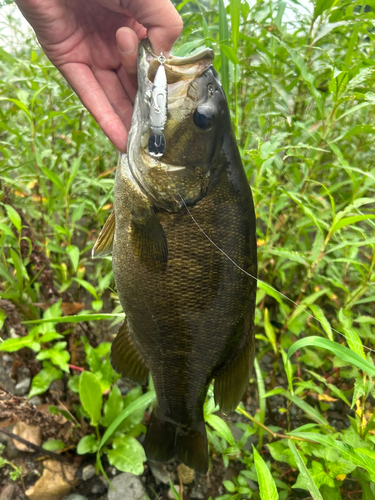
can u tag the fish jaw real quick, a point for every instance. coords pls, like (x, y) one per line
(179, 176)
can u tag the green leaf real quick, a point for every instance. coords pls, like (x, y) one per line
(188, 47)
(97, 305)
(280, 452)
(127, 455)
(262, 401)
(320, 316)
(137, 416)
(358, 456)
(53, 445)
(73, 253)
(11, 345)
(54, 179)
(308, 481)
(88, 286)
(319, 475)
(321, 6)
(221, 428)
(142, 402)
(14, 216)
(112, 407)
(305, 73)
(347, 221)
(76, 319)
(229, 486)
(327, 28)
(57, 355)
(43, 379)
(289, 255)
(339, 350)
(267, 486)
(90, 393)
(234, 8)
(354, 342)
(270, 332)
(229, 53)
(88, 444)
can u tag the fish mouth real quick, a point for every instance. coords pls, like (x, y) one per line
(180, 72)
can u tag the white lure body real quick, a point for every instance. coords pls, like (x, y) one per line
(158, 111)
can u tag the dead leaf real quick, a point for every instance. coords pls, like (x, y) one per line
(185, 474)
(325, 397)
(107, 172)
(57, 481)
(30, 433)
(70, 308)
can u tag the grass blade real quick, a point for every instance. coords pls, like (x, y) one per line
(223, 37)
(339, 350)
(306, 476)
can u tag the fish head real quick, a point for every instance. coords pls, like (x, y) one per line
(197, 113)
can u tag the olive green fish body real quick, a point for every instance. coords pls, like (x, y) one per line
(189, 306)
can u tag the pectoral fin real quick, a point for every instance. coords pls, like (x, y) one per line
(104, 243)
(125, 358)
(231, 382)
(149, 241)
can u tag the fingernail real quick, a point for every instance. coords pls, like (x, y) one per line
(126, 45)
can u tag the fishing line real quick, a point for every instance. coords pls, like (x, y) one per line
(258, 279)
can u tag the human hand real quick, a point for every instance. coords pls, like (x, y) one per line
(94, 45)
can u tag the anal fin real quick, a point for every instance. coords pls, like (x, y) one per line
(104, 243)
(125, 358)
(231, 382)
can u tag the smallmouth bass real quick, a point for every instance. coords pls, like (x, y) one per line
(189, 309)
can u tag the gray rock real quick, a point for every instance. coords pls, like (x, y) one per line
(74, 496)
(35, 400)
(196, 494)
(88, 472)
(98, 488)
(127, 487)
(160, 472)
(22, 387)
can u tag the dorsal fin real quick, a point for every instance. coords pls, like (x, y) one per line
(104, 243)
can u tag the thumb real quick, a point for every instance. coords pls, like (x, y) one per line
(163, 22)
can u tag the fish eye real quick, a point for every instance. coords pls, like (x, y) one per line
(203, 116)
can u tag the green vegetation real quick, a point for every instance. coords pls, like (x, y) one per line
(300, 86)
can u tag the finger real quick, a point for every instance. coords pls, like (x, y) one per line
(84, 83)
(116, 94)
(127, 45)
(163, 22)
(129, 83)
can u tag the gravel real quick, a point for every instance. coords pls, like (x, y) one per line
(127, 487)
(88, 472)
(22, 387)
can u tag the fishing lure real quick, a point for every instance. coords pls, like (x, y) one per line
(158, 110)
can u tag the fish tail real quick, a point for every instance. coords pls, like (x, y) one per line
(160, 437)
(191, 447)
(166, 440)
